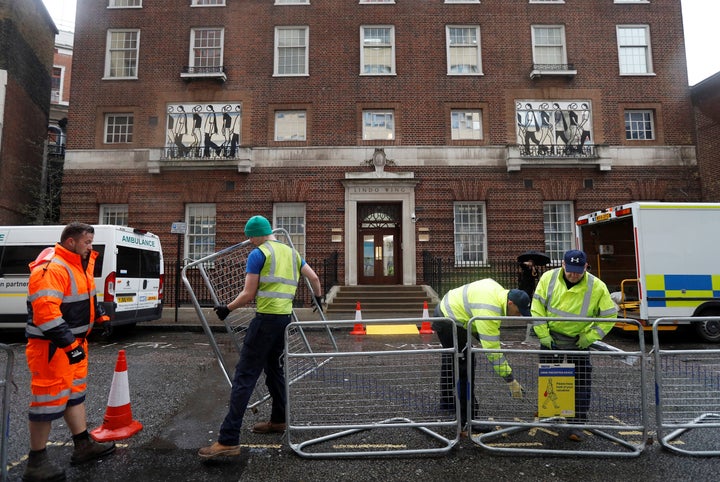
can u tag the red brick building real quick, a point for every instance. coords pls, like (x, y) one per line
(26, 50)
(706, 99)
(377, 129)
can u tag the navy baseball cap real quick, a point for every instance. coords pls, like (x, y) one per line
(521, 300)
(575, 261)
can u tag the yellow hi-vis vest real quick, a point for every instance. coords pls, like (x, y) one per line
(587, 299)
(484, 297)
(279, 278)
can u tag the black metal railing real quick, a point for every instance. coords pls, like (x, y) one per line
(209, 70)
(553, 67)
(326, 269)
(588, 151)
(226, 151)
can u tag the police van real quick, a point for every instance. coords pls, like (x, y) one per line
(129, 272)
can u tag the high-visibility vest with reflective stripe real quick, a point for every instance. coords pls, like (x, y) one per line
(279, 278)
(484, 297)
(62, 303)
(587, 299)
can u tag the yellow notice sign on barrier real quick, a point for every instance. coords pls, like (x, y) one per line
(556, 390)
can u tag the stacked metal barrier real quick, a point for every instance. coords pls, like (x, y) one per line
(616, 423)
(223, 274)
(6, 360)
(372, 396)
(687, 387)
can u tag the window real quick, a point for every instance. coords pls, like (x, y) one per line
(378, 125)
(377, 55)
(114, 214)
(559, 224)
(470, 241)
(56, 84)
(208, 3)
(121, 56)
(466, 124)
(290, 125)
(639, 125)
(206, 50)
(549, 45)
(119, 128)
(124, 3)
(291, 47)
(634, 49)
(463, 50)
(291, 217)
(200, 238)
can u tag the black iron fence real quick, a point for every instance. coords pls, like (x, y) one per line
(445, 274)
(326, 269)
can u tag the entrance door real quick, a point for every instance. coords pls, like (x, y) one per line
(379, 260)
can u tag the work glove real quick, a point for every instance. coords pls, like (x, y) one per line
(547, 342)
(318, 303)
(516, 390)
(584, 341)
(222, 311)
(75, 352)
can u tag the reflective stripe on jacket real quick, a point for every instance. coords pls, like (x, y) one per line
(62, 302)
(587, 299)
(279, 278)
(484, 297)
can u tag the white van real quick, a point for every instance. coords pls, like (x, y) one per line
(129, 272)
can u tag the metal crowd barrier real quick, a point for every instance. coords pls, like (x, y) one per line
(7, 359)
(372, 396)
(687, 395)
(538, 423)
(223, 274)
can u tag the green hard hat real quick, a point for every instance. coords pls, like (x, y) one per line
(257, 226)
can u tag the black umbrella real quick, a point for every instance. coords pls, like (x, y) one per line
(538, 258)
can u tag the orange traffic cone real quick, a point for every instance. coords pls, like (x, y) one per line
(358, 329)
(425, 328)
(118, 422)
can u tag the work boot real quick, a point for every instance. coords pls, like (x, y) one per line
(219, 450)
(87, 449)
(269, 427)
(39, 468)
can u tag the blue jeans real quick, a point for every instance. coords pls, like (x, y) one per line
(262, 349)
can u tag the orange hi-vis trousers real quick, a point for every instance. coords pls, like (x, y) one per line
(55, 383)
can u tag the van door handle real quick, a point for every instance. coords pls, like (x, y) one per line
(145, 284)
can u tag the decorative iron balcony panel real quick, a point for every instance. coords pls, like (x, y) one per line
(552, 69)
(214, 72)
(559, 151)
(200, 152)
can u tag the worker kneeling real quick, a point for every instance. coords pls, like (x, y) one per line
(484, 298)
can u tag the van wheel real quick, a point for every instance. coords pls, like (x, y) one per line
(708, 330)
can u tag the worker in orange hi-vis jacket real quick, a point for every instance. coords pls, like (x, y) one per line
(62, 308)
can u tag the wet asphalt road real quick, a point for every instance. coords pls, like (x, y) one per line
(179, 395)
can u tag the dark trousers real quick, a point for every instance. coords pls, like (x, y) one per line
(465, 382)
(583, 380)
(262, 349)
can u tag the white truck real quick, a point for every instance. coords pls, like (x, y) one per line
(129, 272)
(661, 260)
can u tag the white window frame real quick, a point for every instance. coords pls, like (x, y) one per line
(116, 214)
(56, 96)
(470, 233)
(629, 122)
(622, 51)
(371, 127)
(110, 50)
(559, 228)
(201, 221)
(297, 51)
(381, 47)
(193, 59)
(464, 117)
(291, 217)
(451, 50)
(120, 131)
(124, 4)
(536, 45)
(290, 125)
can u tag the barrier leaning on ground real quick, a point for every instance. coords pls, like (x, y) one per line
(7, 358)
(687, 386)
(371, 395)
(538, 423)
(223, 275)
